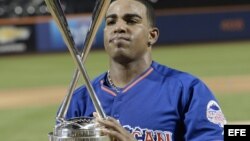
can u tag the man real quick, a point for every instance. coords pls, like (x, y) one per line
(145, 100)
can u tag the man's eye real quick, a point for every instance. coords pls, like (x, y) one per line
(131, 21)
(110, 22)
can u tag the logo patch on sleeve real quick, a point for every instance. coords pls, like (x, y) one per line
(214, 113)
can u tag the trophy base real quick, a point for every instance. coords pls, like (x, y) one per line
(57, 138)
(78, 129)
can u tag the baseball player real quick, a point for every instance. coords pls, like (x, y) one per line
(146, 101)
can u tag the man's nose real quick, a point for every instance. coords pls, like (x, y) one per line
(120, 27)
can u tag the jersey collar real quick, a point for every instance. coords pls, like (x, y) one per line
(106, 87)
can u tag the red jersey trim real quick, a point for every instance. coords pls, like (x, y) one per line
(129, 86)
(106, 89)
(138, 80)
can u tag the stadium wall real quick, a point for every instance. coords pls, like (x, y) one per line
(204, 25)
(180, 26)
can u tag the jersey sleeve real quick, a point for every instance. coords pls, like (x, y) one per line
(203, 118)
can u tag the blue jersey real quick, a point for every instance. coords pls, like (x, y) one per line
(162, 104)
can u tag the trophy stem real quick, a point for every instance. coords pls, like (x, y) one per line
(57, 13)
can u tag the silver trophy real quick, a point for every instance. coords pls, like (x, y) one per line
(82, 128)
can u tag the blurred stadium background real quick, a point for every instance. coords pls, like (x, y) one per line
(210, 39)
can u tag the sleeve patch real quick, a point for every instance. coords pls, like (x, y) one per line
(214, 113)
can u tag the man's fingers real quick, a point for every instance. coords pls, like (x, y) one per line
(112, 124)
(95, 115)
(113, 128)
(113, 134)
(111, 119)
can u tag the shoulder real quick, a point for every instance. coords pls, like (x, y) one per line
(183, 79)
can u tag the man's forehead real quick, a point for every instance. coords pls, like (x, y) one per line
(124, 7)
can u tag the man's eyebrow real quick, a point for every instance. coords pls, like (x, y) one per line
(132, 15)
(125, 16)
(111, 16)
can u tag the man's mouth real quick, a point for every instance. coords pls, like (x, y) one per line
(119, 38)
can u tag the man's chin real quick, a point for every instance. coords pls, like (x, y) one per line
(120, 44)
(120, 49)
(122, 57)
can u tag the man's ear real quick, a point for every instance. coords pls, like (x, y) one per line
(153, 36)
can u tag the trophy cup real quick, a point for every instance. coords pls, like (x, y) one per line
(81, 128)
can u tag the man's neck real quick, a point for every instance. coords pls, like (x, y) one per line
(121, 75)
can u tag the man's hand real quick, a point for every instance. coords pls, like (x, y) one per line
(114, 129)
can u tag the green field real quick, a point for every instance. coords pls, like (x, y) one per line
(39, 70)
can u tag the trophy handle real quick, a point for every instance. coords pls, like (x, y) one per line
(79, 129)
(57, 13)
